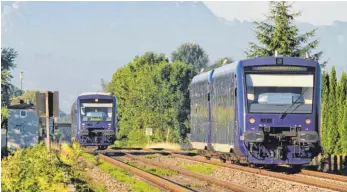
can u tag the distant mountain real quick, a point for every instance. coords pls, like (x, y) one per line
(71, 52)
(62, 114)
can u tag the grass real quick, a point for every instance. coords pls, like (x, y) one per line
(155, 170)
(90, 158)
(82, 182)
(88, 183)
(151, 156)
(124, 177)
(132, 163)
(201, 168)
(161, 171)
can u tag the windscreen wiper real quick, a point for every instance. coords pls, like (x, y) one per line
(285, 112)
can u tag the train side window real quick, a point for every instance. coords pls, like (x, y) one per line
(235, 92)
(208, 97)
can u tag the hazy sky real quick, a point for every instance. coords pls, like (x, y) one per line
(319, 12)
(40, 32)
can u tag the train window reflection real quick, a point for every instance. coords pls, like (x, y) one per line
(269, 93)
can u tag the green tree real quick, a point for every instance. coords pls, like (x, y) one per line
(8, 56)
(282, 36)
(152, 93)
(332, 121)
(27, 95)
(341, 96)
(343, 138)
(192, 54)
(325, 110)
(153, 58)
(4, 116)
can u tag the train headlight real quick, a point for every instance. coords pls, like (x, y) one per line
(308, 121)
(83, 124)
(251, 120)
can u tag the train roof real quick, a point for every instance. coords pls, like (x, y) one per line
(271, 60)
(95, 93)
(201, 77)
(225, 69)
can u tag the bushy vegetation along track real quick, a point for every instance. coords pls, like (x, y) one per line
(293, 178)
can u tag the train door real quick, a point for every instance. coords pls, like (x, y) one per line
(209, 108)
(235, 111)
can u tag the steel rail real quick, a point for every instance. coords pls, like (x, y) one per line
(293, 178)
(233, 186)
(155, 179)
(324, 175)
(303, 171)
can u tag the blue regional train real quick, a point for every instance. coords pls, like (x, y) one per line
(94, 121)
(262, 111)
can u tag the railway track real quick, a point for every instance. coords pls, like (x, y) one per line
(165, 183)
(235, 187)
(150, 177)
(293, 178)
(302, 171)
(232, 186)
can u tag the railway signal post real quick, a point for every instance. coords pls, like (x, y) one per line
(47, 106)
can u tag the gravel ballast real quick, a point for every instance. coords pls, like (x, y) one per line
(104, 179)
(190, 182)
(259, 182)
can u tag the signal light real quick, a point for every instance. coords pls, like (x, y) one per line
(251, 120)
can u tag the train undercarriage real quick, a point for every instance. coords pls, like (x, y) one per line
(101, 138)
(271, 146)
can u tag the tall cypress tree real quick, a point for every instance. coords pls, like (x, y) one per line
(341, 93)
(343, 138)
(282, 36)
(325, 110)
(332, 121)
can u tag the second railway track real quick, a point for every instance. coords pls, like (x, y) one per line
(293, 178)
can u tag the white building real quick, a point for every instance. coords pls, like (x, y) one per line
(23, 126)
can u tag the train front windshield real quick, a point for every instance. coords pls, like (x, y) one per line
(279, 93)
(96, 110)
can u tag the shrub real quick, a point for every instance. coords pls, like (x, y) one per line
(33, 169)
